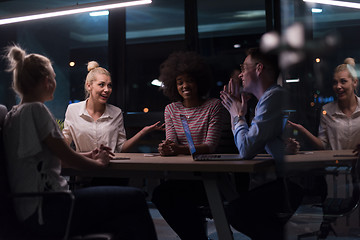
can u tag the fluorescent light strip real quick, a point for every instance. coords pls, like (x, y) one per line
(336, 3)
(292, 80)
(73, 10)
(99, 13)
(316, 10)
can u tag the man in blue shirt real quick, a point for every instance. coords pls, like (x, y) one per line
(263, 211)
(259, 75)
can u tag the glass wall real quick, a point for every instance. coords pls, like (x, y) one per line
(328, 34)
(151, 35)
(75, 38)
(315, 39)
(226, 30)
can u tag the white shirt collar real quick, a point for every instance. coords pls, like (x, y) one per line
(84, 112)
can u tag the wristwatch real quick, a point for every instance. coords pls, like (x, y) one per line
(237, 118)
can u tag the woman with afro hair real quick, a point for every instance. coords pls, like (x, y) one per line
(186, 81)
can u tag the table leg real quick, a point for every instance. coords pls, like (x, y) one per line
(217, 207)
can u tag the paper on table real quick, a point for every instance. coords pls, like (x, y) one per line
(151, 154)
(119, 159)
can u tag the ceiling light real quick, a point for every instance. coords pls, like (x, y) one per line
(316, 10)
(336, 3)
(292, 80)
(80, 8)
(156, 82)
(99, 13)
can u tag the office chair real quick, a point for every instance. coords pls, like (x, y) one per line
(10, 227)
(333, 208)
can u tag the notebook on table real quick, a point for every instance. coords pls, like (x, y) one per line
(204, 157)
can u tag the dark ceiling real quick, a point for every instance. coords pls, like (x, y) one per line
(166, 17)
(159, 19)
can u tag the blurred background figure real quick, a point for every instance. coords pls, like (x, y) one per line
(340, 120)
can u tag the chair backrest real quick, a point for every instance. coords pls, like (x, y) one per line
(7, 216)
(337, 207)
(4, 186)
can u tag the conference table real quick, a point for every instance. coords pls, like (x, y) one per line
(184, 167)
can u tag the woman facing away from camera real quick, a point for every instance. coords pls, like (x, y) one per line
(93, 122)
(35, 151)
(186, 78)
(340, 120)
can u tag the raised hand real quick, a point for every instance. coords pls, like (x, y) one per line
(235, 106)
(296, 126)
(155, 127)
(234, 89)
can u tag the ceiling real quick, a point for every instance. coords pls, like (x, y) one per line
(161, 18)
(166, 17)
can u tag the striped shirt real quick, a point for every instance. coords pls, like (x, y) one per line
(205, 123)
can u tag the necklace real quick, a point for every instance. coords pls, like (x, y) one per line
(190, 112)
(193, 110)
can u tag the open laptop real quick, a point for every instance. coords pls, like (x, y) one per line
(204, 157)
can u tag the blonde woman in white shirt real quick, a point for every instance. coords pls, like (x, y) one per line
(93, 122)
(340, 120)
(35, 153)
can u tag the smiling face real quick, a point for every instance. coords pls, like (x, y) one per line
(344, 85)
(248, 74)
(187, 87)
(100, 89)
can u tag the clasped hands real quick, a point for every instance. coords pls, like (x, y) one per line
(102, 154)
(168, 148)
(234, 99)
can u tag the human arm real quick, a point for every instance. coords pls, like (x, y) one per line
(45, 133)
(66, 131)
(266, 127)
(170, 148)
(92, 153)
(70, 158)
(128, 144)
(317, 143)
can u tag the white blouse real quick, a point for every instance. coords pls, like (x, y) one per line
(87, 134)
(338, 131)
(31, 165)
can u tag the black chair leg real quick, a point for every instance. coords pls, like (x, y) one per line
(325, 229)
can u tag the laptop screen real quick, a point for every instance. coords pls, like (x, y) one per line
(188, 134)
